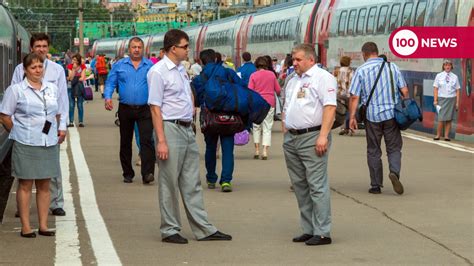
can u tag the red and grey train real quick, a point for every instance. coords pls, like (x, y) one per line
(337, 28)
(14, 45)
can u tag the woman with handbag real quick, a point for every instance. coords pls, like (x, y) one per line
(30, 112)
(77, 76)
(446, 98)
(265, 83)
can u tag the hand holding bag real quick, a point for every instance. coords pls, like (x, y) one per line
(362, 112)
(406, 111)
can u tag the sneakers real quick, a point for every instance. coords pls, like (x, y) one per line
(70, 125)
(81, 124)
(375, 190)
(397, 185)
(211, 185)
(226, 187)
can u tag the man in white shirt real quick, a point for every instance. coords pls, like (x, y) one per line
(172, 109)
(308, 115)
(53, 73)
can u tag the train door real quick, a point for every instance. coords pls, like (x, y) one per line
(465, 123)
(200, 41)
(242, 39)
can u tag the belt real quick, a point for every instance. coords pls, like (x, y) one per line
(134, 106)
(304, 130)
(180, 122)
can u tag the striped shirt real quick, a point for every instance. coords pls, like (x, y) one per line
(382, 103)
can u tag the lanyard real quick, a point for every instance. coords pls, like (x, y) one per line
(43, 100)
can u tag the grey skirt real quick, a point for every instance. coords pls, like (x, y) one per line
(448, 108)
(35, 162)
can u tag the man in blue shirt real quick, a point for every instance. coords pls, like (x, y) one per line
(247, 68)
(379, 120)
(129, 76)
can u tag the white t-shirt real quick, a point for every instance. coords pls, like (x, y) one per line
(306, 96)
(447, 84)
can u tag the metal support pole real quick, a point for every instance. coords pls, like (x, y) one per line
(81, 29)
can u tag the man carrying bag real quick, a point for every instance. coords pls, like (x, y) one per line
(379, 117)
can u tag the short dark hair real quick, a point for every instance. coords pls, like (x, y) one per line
(173, 37)
(136, 39)
(30, 59)
(38, 37)
(261, 62)
(153, 54)
(207, 56)
(370, 48)
(218, 57)
(246, 56)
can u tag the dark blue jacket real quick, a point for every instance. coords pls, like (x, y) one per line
(246, 70)
(210, 70)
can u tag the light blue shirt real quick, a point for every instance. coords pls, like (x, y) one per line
(53, 73)
(29, 110)
(170, 90)
(382, 103)
(131, 82)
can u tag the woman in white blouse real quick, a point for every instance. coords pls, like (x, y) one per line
(446, 99)
(30, 112)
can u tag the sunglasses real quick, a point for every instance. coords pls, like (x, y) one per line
(182, 47)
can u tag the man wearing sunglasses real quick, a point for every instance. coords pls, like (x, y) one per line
(177, 152)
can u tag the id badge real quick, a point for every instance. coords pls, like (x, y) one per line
(301, 94)
(46, 127)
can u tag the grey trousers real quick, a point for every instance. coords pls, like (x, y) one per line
(308, 174)
(56, 191)
(393, 143)
(180, 175)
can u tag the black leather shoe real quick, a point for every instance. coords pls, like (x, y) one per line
(47, 233)
(318, 240)
(175, 239)
(375, 190)
(148, 179)
(216, 236)
(58, 212)
(127, 180)
(28, 235)
(397, 185)
(302, 238)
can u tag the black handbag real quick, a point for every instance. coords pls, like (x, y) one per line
(220, 123)
(362, 112)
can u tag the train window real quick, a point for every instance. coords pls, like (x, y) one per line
(393, 24)
(382, 19)
(406, 17)
(277, 30)
(272, 29)
(351, 21)
(282, 30)
(267, 32)
(420, 13)
(342, 23)
(371, 20)
(262, 32)
(360, 21)
(287, 29)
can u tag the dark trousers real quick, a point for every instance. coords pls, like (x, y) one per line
(128, 115)
(393, 144)
(227, 144)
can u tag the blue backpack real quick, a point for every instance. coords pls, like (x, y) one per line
(223, 95)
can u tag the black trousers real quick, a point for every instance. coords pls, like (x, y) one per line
(128, 115)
